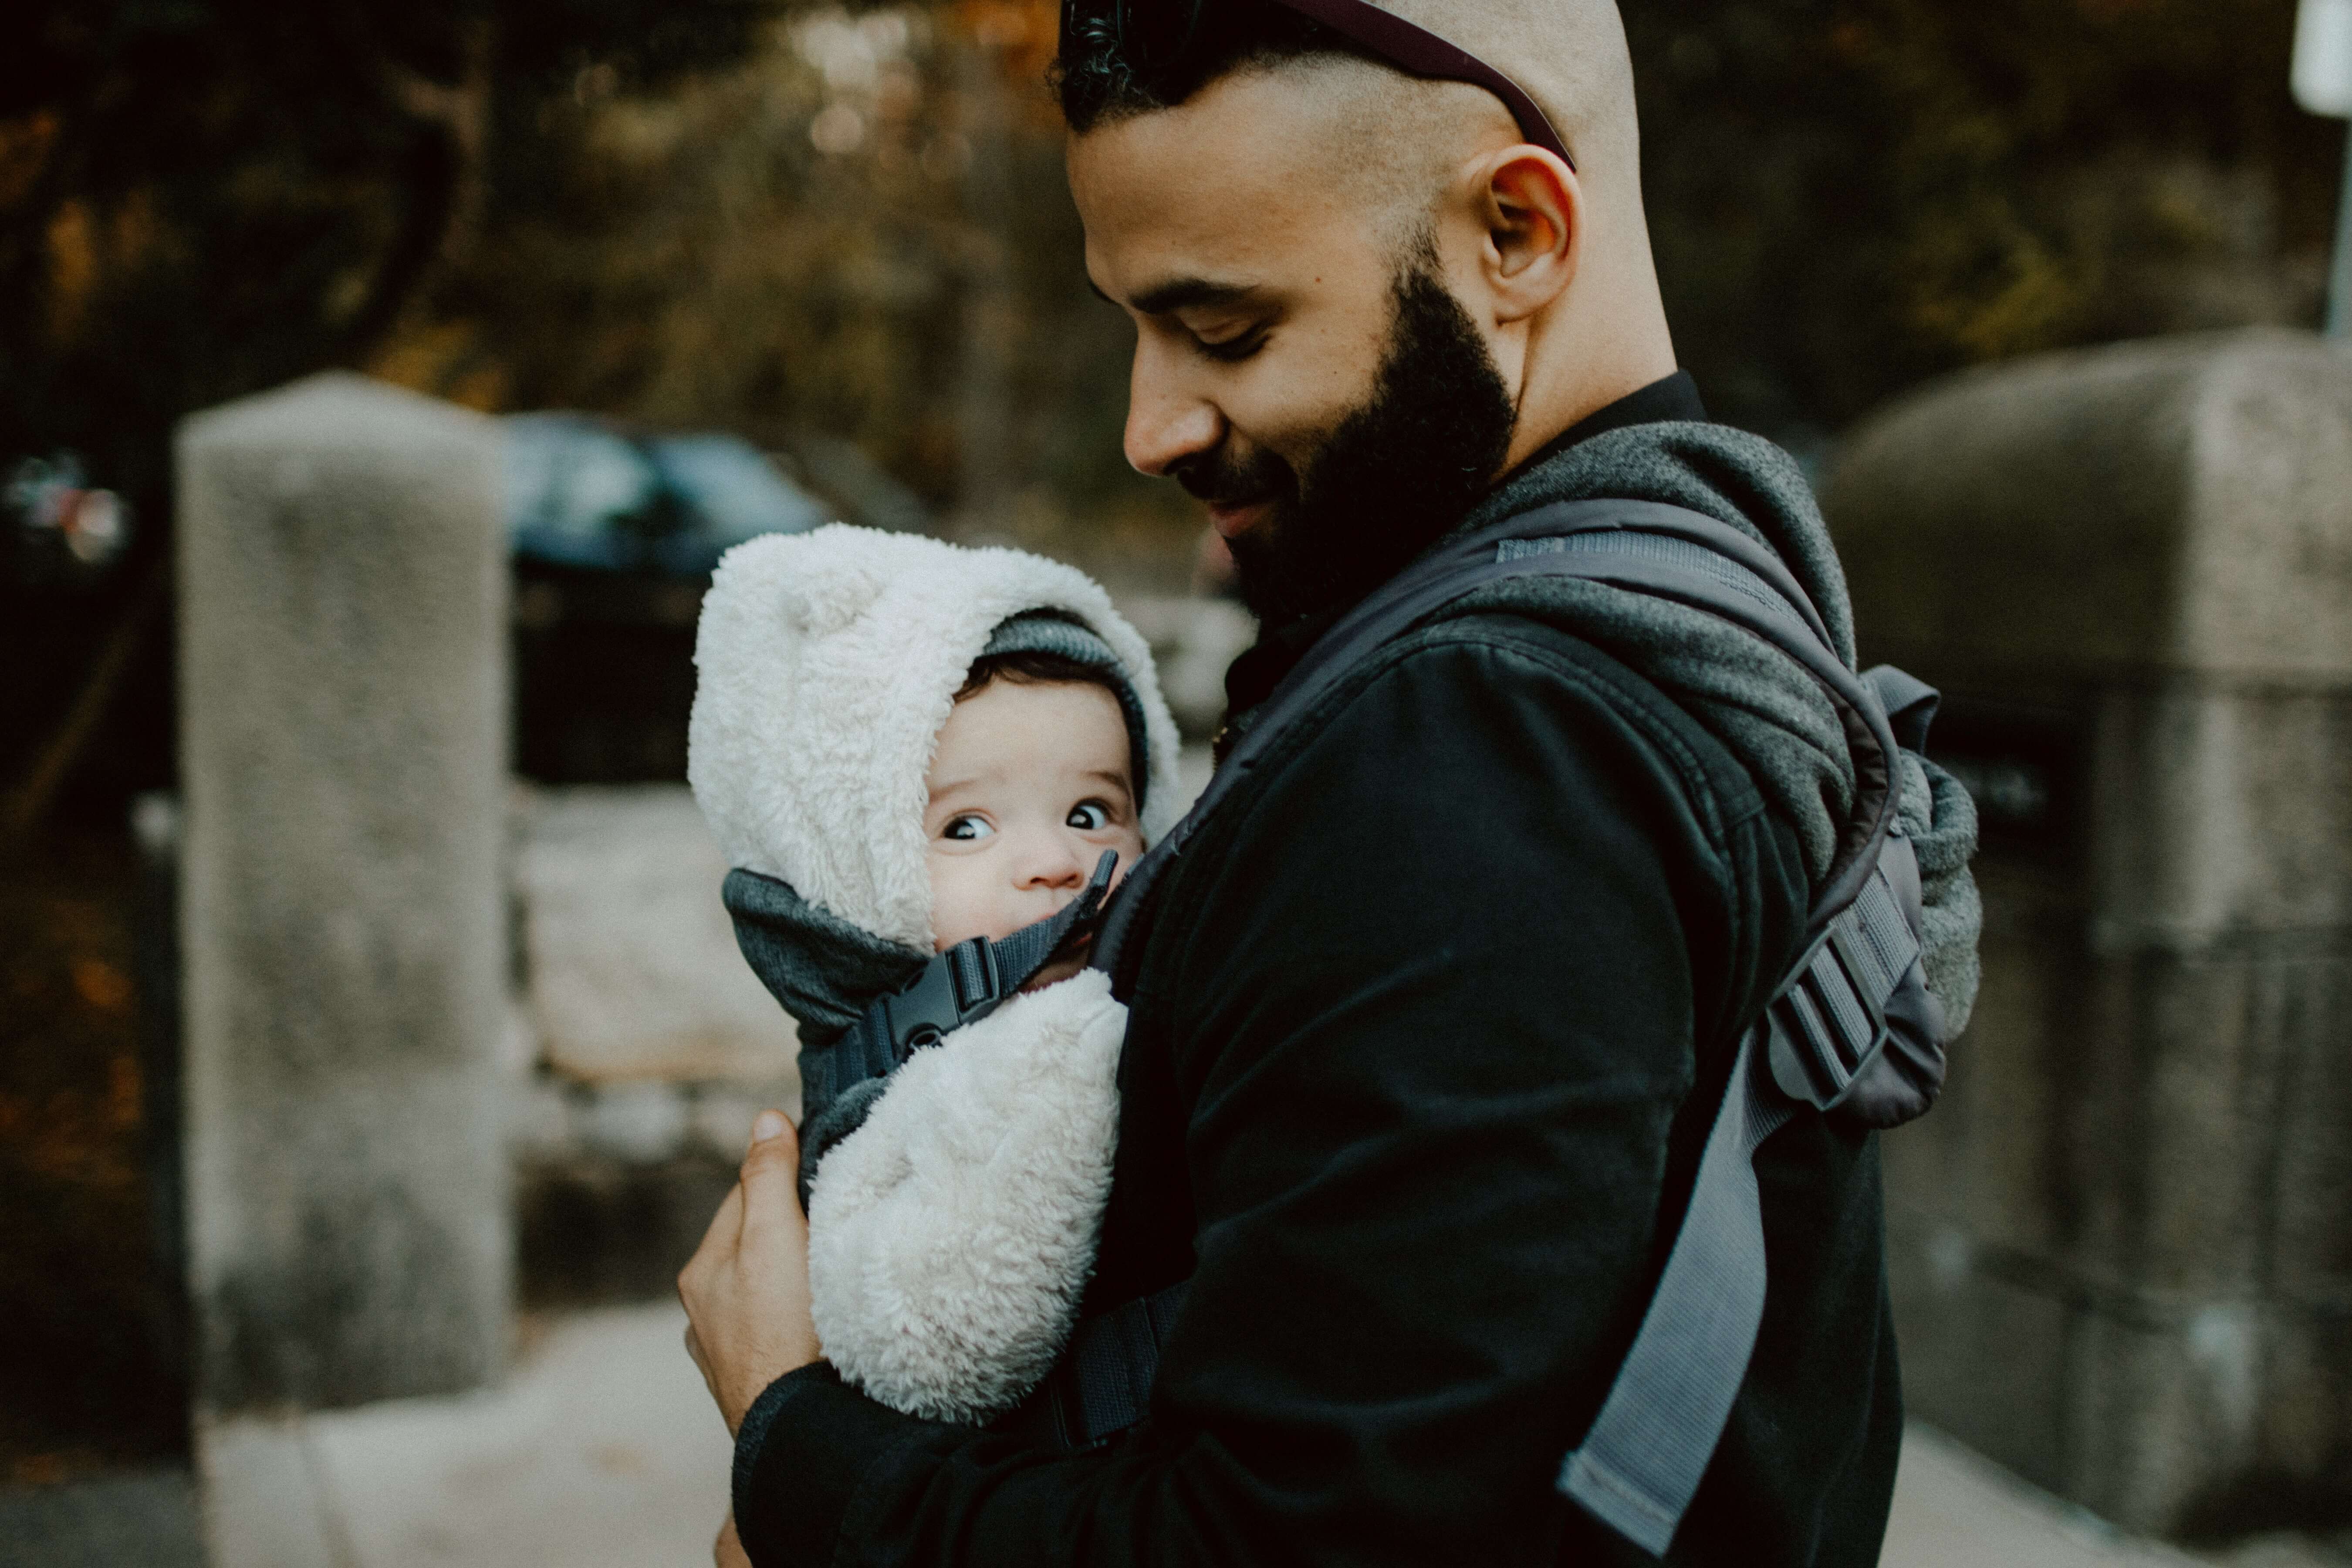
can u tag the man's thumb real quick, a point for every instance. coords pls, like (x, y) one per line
(771, 1166)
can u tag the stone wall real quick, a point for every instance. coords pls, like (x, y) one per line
(645, 1045)
(2123, 1244)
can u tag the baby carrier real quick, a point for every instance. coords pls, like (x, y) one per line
(1851, 1032)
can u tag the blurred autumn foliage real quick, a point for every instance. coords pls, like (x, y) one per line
(1848, 195)
(767, 216)
(805, 223)
(861, 230)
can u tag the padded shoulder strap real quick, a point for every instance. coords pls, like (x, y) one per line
(1644, 546)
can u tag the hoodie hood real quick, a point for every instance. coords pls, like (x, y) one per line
(826, 663)
(1757, 699)
(1759, 702)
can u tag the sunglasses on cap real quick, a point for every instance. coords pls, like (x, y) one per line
(1157, 35)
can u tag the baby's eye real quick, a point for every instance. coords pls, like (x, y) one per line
(1088, 816)
(966, 826)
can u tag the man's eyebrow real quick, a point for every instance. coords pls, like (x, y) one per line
(1182, 294)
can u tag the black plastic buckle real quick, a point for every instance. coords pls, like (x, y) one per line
(1814, 1057)
(970, 979)
(938, 999)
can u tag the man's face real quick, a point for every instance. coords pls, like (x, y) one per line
(1297, 368)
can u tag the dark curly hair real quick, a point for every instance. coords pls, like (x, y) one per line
(1096, 80)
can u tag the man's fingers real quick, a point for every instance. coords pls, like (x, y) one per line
(773, 1147)
(771, 1176)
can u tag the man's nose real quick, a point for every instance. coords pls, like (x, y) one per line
(1165, 423)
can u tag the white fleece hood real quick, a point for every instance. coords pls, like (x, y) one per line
(952, 1233)
(826, 663)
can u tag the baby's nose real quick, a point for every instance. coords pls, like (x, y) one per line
(1054, 864)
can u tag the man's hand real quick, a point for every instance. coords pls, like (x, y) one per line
(746, 1288)
(728, 1550)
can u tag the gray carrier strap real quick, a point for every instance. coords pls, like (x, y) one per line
(1102, 1384)
(1614, 541)
(1642, 1460)
(841, 1081)
(962, 984)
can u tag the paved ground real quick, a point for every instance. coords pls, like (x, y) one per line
(602, 1449)
(1956, 1509)
(603, 1452)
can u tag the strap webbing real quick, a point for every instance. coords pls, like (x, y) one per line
(1102, 1384)
(1662, 548)
(1642, 1460)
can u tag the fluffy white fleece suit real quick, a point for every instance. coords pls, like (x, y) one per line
(951, 1235)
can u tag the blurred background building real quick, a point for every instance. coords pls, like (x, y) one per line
(723, 266)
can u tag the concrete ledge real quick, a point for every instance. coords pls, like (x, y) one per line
(601, 1451)
(2175, 504)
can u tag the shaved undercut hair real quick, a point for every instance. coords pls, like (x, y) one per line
(1570, 56)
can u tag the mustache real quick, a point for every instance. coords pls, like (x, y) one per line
(1221, 478)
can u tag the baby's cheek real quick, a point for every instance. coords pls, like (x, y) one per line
(959, 907)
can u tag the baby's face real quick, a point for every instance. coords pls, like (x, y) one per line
(1029, 786)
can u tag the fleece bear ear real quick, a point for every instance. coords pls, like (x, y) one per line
(829, 589)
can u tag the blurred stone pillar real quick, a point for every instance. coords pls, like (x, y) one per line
(2123, 1245)
(342, 677)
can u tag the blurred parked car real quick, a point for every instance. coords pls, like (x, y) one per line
(583, 493)
(614, 534)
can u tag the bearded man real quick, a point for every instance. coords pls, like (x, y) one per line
(1431, 1018)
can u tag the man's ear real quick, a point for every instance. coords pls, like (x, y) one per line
(1535, 229)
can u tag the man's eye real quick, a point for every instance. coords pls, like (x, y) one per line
(1234, 350)
(966, 828)
(1089, 816)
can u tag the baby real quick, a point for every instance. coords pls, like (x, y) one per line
(903, 745)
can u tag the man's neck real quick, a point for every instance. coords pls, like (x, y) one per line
(1673, 396)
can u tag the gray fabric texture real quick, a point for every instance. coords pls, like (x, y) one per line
(825, 972)
(1942, 822)
(1759, 702)
(822, 968)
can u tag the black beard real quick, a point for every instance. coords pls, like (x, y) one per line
(1395, 475)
